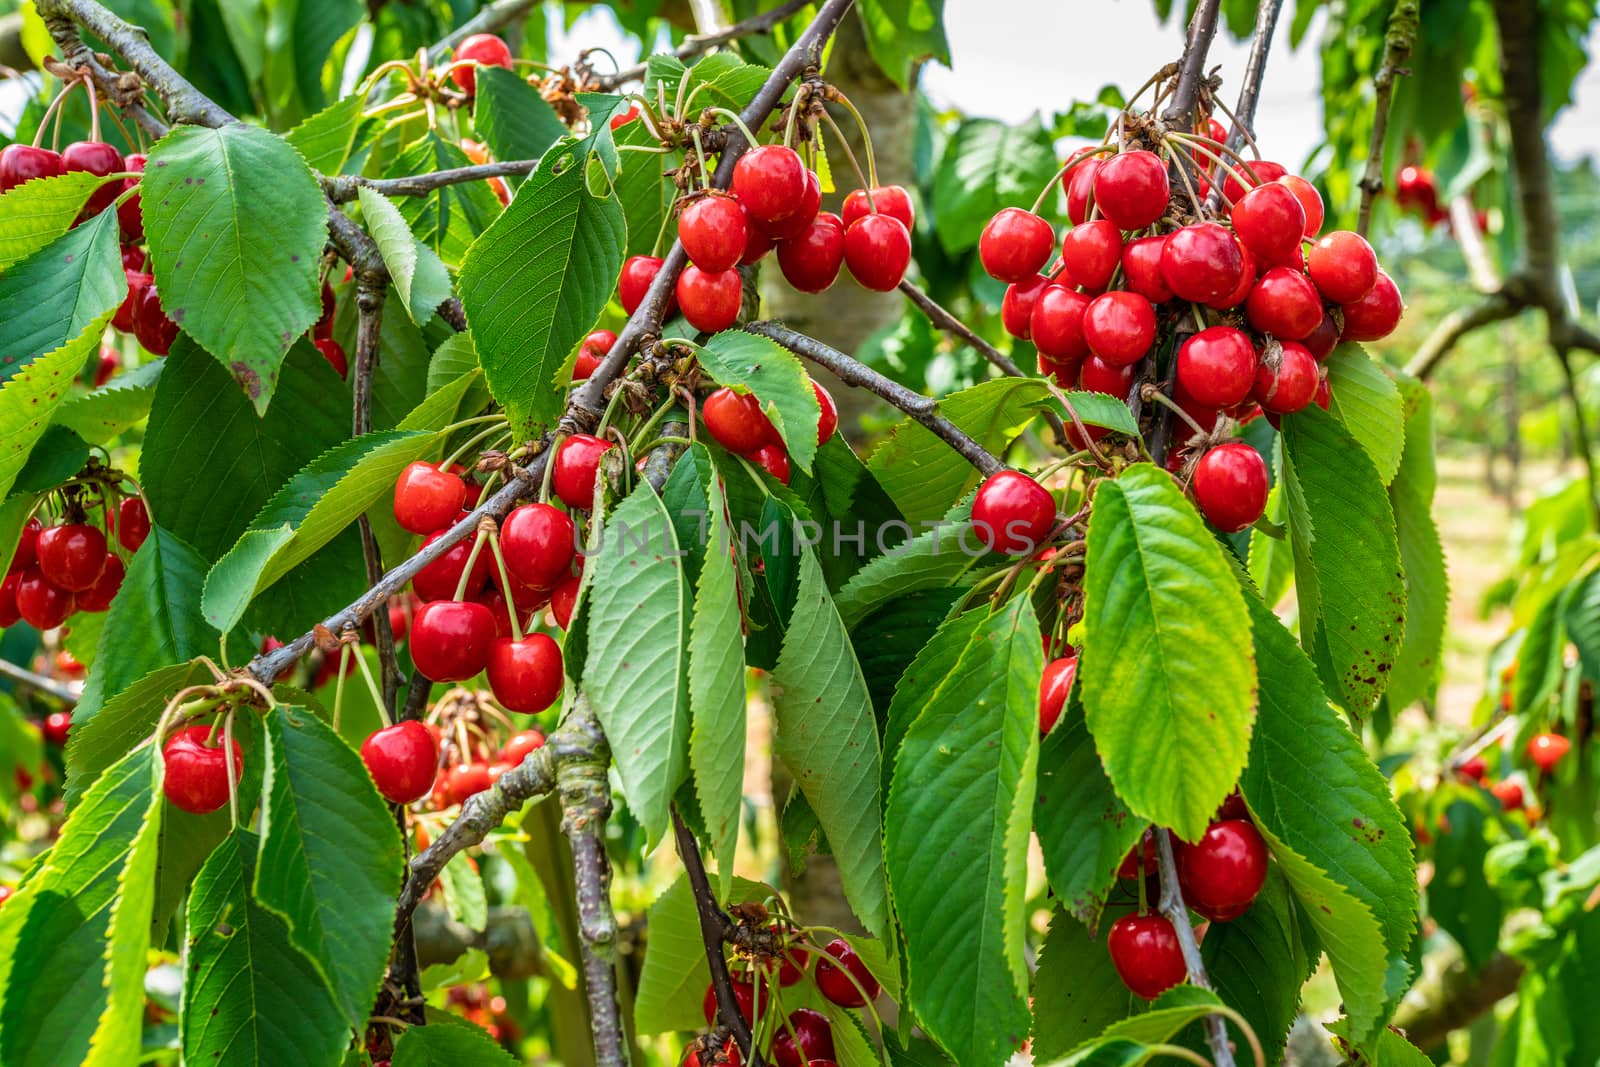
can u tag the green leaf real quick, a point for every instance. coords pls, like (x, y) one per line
(1259, 961)
(635, 672)
(902, 34)
(99, 415)
(450, 1045)
(101, 738)
(420, 277)
(57, 293)
(237, 223)
(988, 165)
(1367, 401)
(1166, 669)
(1077, 992)
(56, 456)
(675, 974)
(21, 746)
(448, 219)
(1460, 899)
(330, 856)
(1582, 620)
(723, 80)
(29, 398)
(249, 996)
(828, 738)
(1098, 409)
(925, 476)
(1390, 1049)
(464, 896)
(1539, 659)
(923, 678)
(1418, 665)
(37, 212)
(1170, 1013)
(75, 982)
(646, 192)
(748, 363)
(327, 138)
(514, 121)
(1341, 522)
(957, 820)
(932, 560)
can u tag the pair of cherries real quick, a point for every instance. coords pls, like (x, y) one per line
(737, 422)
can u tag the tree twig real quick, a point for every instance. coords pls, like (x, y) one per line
(343, 188)
(1255, 69)
(1398, 40)
(944, 320)
(715, 927)
(701, 43)
(1496, 307)
(370, 294)
(1172, 906)
(48, 686)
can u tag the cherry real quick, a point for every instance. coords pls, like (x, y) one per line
(333, 352)
(1016, 308)
(538, 541)
(1321, 341)
(756, 245)
(773, 459)
(1416, 190)
(1054, 685)
(1079, 184)
(891, 200)
(521, 745)
(151, 327)
(1344, 266)
(56, 727)
(27, 553)
(795, 224)
(426, 498)
(324, 325)
(1223, 871)
(1141, 858)
(1290, 385)
(736, 421)
(577, 461)
(1217, 366)
(1546, 750)
(525, 675)
(1015, 245)
(466, 781)
(1144, 950)
(130, 218)
(495, 601)
(72, 555)
(770, 181)
(1012, 513)
(1090, 254)
(710, 300)
(1131, 189)
(1285, 304)
(1201, 263)
(712, 228)
(106, 367)
(1375, 315)
(95, 157)
(622, 118)
(450, 639)
(98, 596)
(1474, 768)
(133, 523)
(591, 350)
(1141, 268)
(1098, 376)
(634, 281)
(1310, 202)
(403, 760)
(1264, 170)
(811, 261)
(41, 604)
(877, 249)
(1232, 807)
(8, 600)
(1216, 131)
(1057, 324)
(1119, 327)
(23, 163)
(483, 48)
(835, 984)
(196, 777)
(1269, 221)
(1230, 486)
(138, 282)
(135, 258)
(1324, 394)
(1509, 794)
(562, 600)
(744, 994)
(811, 1040)
(439, 579)
(828, 421)
(1247, 280)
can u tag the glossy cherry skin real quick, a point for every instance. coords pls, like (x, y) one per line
(1079, 186)
(450, 639)
(1375, 315)
(1292, 385)
(1269, 221)
(1310, 202)
(525, 675)
(1144, 950)
(130, 217)
(520, 745)
(1509, 794)
(811, 261)
(98, 596)
(591, 350)
(1247, 280)
(1202, 263)
(1119, 327)
(891, 200)
(744, 994)
(1474, 768)
(1230, 486)
(23, 163)
(634, 281)
(756, 245)
(770, 181)
(1012, 513)
(27, 553)
(836, 985)
(813, 1036)
(41, 603)
(563, 598)
(1015, 245)
(1284, 304)
(577, 460)
(72, 555)
(1217, 366)
(106, 367)
(1264, 171)
(1344, 266)
(538, 542)
(151, 327)
(1223, 871)
(1090, 254)
(427, 498)
(710, 300)
(1546, 750)
(1131, 189)
(333, 352)
(736, 421)
(795, 224)
(877, 249)
(466, 781)
(1016, 308)
(403, 760)
(57, 725)
(773, 459)
(95, 157)
(8, 600)
(1416, 190)
(1054, 685)
(1322, 340)
(138, 282)
(828, 420)
(1141, 268)
(133, 523)
(1057, 324)
(713, 230)
(1098, 376)
(482, 48)
(196, 778)
(439, 579)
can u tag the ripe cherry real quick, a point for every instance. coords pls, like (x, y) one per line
(1144, 950)
(828, 420)
(1247, 280)
(1015, 245)
(744, 994)
(1012, 513)
(756, 245)
(1119, 327)
(466, 781)
(151, 327)
(1016, 308)
(1509, 794)
(1098, 376)
(72, 555)
(736, 421)
(1230, 486)
(520, 745)
(710, 300)
(1415, 190)
(591, 350)
(57, 725)
(95, 157)
(525, 675)
(1321, 341)
(1141, 858)
(27, 553)
(1269, 221)
(323, 327)
(1141, 268)
(1474, 768)
(1079, 185)
(1202, 263)
(712, 228)
(770, 181)
(23, 163)
(482, 48)
(1375, 315)
(634, 281)
(1290, 385)
(41, 603)
(9, 615)
(196, 763)
(1090, 254)
(836, 985)
(106, 367)
(577, 461)
(811, 261)
(1264, 171)
(138, 282)
(98, 596)
(1057, 324)
(563, 598)
(333, 352)
(1344, 266)
(538, 542)
(877, 249)
(773, 459)
(450, 639)
(403, 760)
(133, 523)
(795, 223)
(1546, 750)
(1310, 202)
(891, 200)
(1131, 189)
(439, 579)
(1223, 871)
(1054, 685)
(130, 218)
(1285, 304)
(810, 1041)
(427, 498)
(1217, 366)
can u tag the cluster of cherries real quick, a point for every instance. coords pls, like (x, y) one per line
(736, 422)
(1543, 751)
(68, 567)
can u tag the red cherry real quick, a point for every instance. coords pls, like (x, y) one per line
(1141, 268)
(483, 48)
(1269, 221)
(1247, 281)
(466, 781)
(877, 249)
(72, 555)
(1131, 189)
(323, 328)
(710, 300)
(1098, 376)
(56, 727)
(450, 639)
(810, 1042)
(1054, 685)
(744, 994)
(1079, 185)
(129, 216)
(1119, 327)
(1012, 513)
(591, 351)
(634, 281)
(1375, 315)
(495, 601)
(403, 760)
(1057, 324)
(811, 261)
(1415, 190)
(562, 600)
(576, 461)
(1344, 266)
(196, 777)
(619, 120)
(1217, 366)
(1310, 202)
(333, 352)
(98, 596)
(1474, 768)
(95, 157)
(106, 367)
(1509, 794)
(525, 675)
(712, 228)
(891, 200)
(794, 224)
(41, 603)
(538, 542)
(27, 553)
(23, 163)
(8, 600)
(828, 421)
(1291, 385)
(1134, 864)
(1016, 309)
(770, 181)
(520, 745)
(133, 523)
(1321, 341)
(1264, 170)
(1090, 254)
(1144, 950)
(756, 245)
(151, 327)
(1285, 304)
(1202, 263)
(1015, 245)
(835, 984)
(426, 498)
(133, 257)
(439, 579)
(1230, 486)
(1546, 750)
(1223, 871)
(773, 459)
(138, 281)
(736, 421)
(1216, 131)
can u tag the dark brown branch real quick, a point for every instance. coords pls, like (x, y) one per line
(1398, 40)
(47, 686)
(921, 408)
(1172, 906)
(944, 320)
(343, 188)
(700, 43)
(1179, 114)
(491, 19)
(371, 291)
(1496, 307)
(715, 928)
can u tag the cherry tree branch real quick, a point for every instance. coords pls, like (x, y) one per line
(1172, 906)
(944, 320)
(47, 686)
(1506, 302)
(700, 43)
(371, 291)
(343, 188)
(1255, 70)
(1398, 41)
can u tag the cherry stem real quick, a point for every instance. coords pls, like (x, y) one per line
(372, 683)
(866, 135)
(549, 467)
(468, 445)
(866, 185)
(722, 112)
(649, 115)
(1244, 130)
(612, 403)
(472, 558)
(50, 111)
(505, 586)
(383, 70)
(700, 151)
(794, 115)
(1177, 1052)
(227, 766)
(1083, 155)
(1077, 424)
(1188, 186)
(1152, 393)
(1200, 144)
(338, 685)
(94, 110)
(655, 418)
